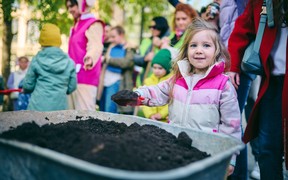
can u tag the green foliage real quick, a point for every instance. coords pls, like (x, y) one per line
(6, 6)
(151, 9)
(52, 11)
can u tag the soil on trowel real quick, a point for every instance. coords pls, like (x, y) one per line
(125, 97)
(111, 144)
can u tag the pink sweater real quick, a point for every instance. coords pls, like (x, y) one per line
(77, 51)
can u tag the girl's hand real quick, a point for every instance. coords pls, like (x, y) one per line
(156, 116)
(230, 170)
(234, 78)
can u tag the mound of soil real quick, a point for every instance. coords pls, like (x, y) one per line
(111, 144)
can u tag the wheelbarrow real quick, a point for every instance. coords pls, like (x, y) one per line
(25, 161)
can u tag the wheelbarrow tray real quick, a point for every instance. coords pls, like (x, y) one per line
(26, 161)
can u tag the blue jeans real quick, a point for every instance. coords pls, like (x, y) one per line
(241, 167)
(106, 104)
(270, 136)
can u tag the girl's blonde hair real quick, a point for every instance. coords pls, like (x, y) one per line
(196, 26)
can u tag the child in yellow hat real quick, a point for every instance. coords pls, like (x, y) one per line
(51, 75)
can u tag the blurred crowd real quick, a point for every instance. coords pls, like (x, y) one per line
(101, 62)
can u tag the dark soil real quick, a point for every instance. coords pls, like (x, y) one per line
(111, 144)
(125, 97)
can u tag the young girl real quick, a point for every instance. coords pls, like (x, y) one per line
(199, 94)
(161, 66)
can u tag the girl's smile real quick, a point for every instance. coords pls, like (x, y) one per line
(201, 51)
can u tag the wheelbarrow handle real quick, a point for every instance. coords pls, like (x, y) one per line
(8, 91)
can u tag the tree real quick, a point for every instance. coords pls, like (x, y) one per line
(6, 6)
(54, 11)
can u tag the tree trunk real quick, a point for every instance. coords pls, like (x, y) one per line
(6, 49)
(6, 38)
(6, 46)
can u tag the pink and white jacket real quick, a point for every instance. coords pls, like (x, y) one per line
(210, 104)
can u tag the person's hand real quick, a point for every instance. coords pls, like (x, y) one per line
(234, 78)
(127, 97)
(165, 43)
(156, 41)
(156, 116)
(230, 170)
(88, 63)
(149, 57)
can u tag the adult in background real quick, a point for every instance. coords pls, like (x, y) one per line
(183, 16)
(150, 46)
(16, 77)
(268, 119)
(85, 48)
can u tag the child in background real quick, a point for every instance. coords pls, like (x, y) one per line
(199, 94)
(15, 78)
(51, 75)
(116, 71)
(161, 66)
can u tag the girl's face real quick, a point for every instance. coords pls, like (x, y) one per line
(23, 63)
(158, 70)
(155, 32)
(182, 20)
(115, 37)
(73, 10)
(201, 51)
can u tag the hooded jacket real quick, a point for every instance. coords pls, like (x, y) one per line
(210, 105)
(50, 77)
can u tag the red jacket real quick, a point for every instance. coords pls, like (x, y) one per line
(246, 27)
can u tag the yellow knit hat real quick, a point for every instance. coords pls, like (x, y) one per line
(50, 35)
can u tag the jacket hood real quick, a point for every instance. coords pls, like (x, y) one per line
(214, 70)
(52, 59)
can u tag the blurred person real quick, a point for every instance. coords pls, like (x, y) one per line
(269, 114)
(230, 10)
(116, 70)
(183, 16)
(85, 48)
(106, 38)
(51, 74)
(16, 77)
(212, 13)
(150, 46)
(161, 68)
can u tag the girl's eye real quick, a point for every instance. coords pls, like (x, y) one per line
(206, 45)
(193, 45)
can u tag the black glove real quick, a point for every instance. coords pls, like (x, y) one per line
(126, 97)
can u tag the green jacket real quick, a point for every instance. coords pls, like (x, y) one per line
(180, 41)
(50, 77)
